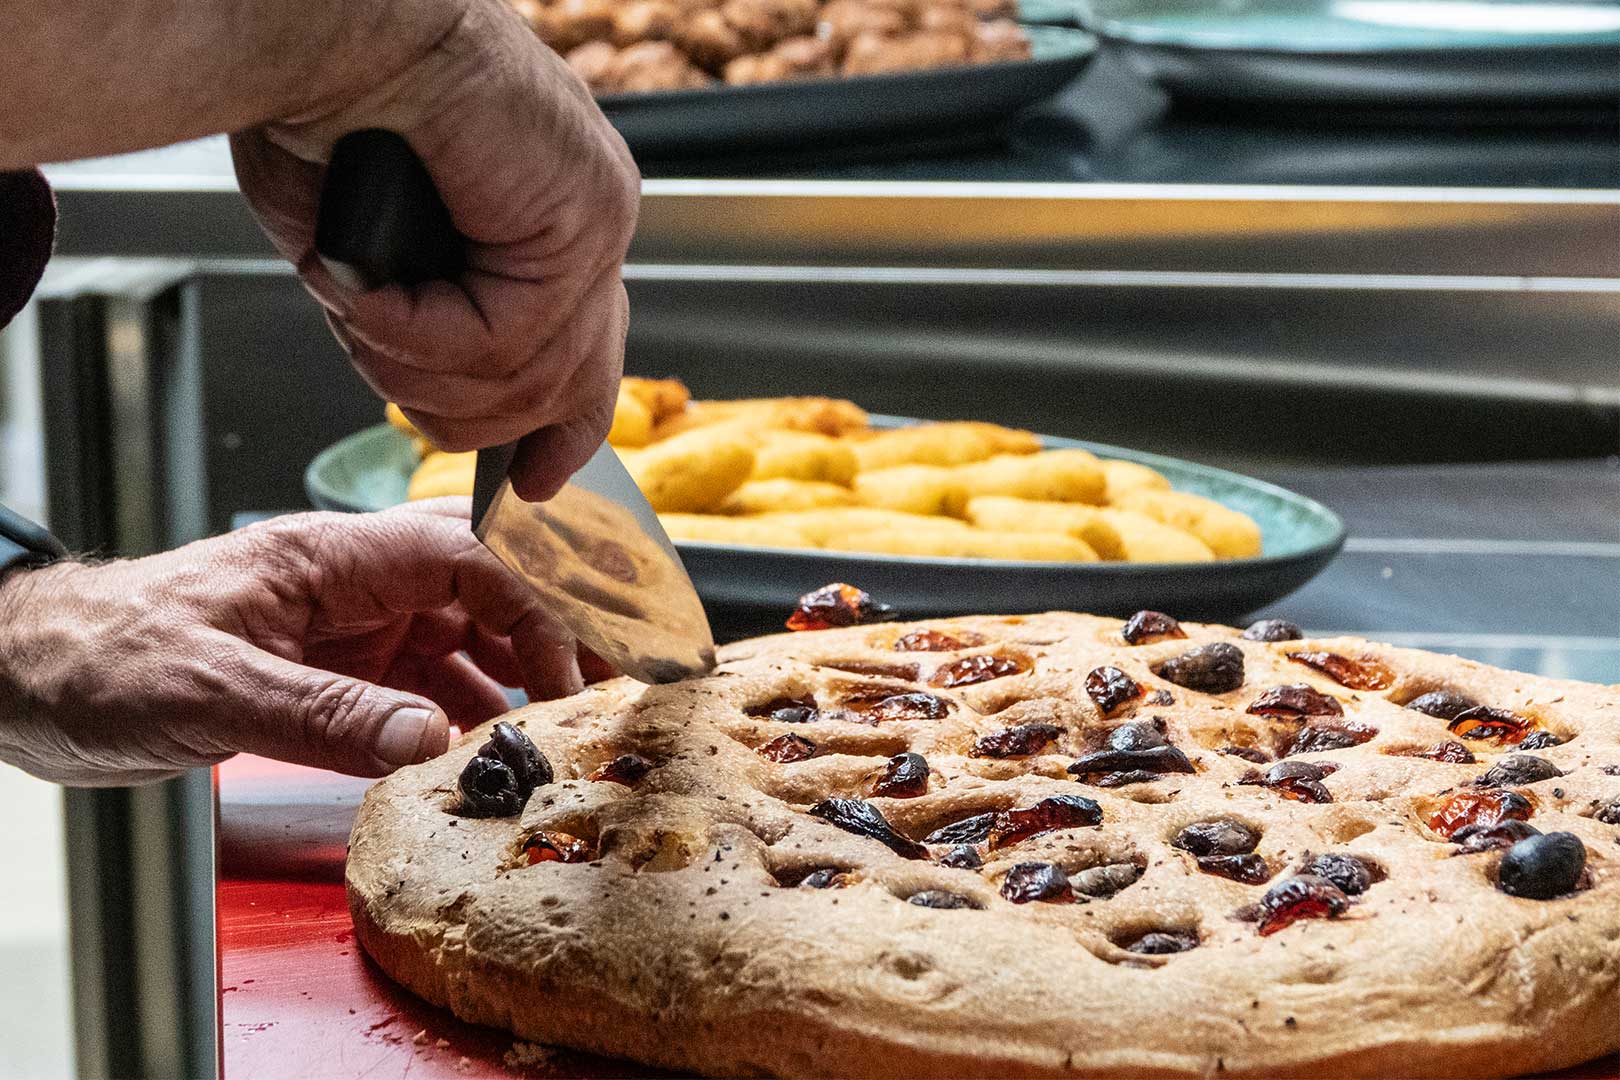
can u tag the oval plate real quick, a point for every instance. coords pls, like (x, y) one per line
(689, 123)
(1379, 54)
(750, 589)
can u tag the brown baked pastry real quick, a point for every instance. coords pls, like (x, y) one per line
(997, 41)
(869, 55)
(709, 40)
(796, 58)
(595, 62)
(1053, 845)
(645, 20)
(842, 21)
(762, 23)
(568, 24)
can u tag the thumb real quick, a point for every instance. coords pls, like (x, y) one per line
(312, 717)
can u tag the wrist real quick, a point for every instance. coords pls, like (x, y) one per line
(380, 40)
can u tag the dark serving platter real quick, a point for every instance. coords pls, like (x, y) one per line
(1371, 54)
(750, 589)
(687, 123)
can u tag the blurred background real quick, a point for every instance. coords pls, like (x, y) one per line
(1368, 248)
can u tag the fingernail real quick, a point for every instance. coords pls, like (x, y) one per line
(402, 735)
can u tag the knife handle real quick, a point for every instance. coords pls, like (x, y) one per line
(381, 219)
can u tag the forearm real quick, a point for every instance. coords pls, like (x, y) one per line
(80, 78)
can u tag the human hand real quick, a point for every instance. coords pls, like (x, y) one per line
(529, 343)
(332, 640)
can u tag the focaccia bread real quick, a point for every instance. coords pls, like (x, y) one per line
(1046, 845)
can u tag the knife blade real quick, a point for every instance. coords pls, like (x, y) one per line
(595, 552)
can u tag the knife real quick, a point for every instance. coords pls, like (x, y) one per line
(595, 552)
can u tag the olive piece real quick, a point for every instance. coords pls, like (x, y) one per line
(905, 776)
(969, 830)
(1160, 943)
(1442, 704)
(1516, 770)
(962, 857)
(1542, 867)
(863, 819)
(1222, 836)
(1030, 881)
(939, 898)
(1351, 875)
(1609, 812)
(1146, 627)
(1110, 688)
(1104, 881)
(1216, 668)
(1273, 630)
(513, 749)
(1539, 740)
(828, 877)
(1138, 736)
(1159, 759)
(1245, 869)
(489, 789)
(1503, 834)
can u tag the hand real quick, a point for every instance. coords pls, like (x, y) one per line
(529, 344)
(333, 640)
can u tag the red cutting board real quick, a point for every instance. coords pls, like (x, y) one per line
(299, 999)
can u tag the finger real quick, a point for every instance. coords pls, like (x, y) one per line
(495, 657)
(467, 695)
(447, 506)
(437, 634)
(546, 660)
(593, 668)
(276, 708)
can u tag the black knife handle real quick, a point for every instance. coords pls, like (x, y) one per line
(381, 216)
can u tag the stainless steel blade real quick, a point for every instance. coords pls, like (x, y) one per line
(602, 563)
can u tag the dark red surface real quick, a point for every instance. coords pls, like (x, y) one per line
(298, 997)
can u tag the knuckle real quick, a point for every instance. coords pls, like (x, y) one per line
(333, 714)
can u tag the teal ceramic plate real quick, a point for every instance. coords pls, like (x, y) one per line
(752, 589)
(832, 111)
(1394, 54)
(1048, 12)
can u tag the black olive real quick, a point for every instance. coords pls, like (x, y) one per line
(795, 714)
(1352, 875)
(939, 898)
(1609, 812)
(1216, 668)
(824, 878)
(489, 789)
(1316, 738)
(863, 819)
(905, 776)
(1273, 630)
(1142, 735)
(1516, 770)
(1148, 626)
(1222, 836)
(1246, 869)
(1539, 740)
(1542, 867)
(513, 749)
(1124, 779)
(962, 857)
(1105, 881)
(1503, 834)
(1159, 759)
(1159, 944)
(1029, 881)
(1442, 704)
(970, 830)
(1110, 688)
